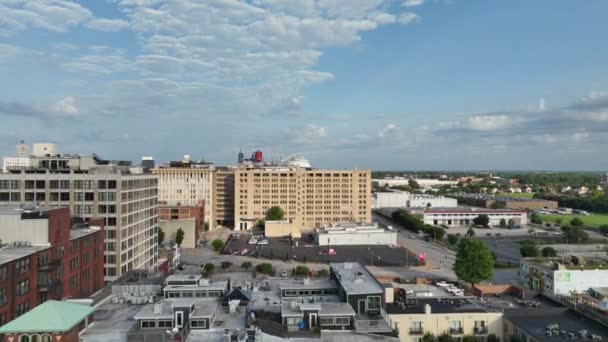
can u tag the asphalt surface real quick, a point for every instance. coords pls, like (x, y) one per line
(306, 251)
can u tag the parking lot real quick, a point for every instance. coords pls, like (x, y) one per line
(307, 252)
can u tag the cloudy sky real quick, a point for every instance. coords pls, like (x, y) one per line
(382, 84)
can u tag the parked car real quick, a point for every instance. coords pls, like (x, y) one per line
(412, 236)
(253, 241)
(284, 274)
(235, 235)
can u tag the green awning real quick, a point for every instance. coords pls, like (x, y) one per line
(50, 316)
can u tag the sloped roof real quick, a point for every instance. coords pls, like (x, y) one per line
(50, 316)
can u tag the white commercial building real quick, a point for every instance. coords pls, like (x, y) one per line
(404, 199)
(354, 234)
(554, 278)
(464, 216)
(422, 182)
(22, 160)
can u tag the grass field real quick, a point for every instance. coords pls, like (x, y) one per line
(518, 195)
(593, 220)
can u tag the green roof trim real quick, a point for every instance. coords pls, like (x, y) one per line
(50, 316)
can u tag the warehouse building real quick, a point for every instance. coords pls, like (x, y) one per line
(354, 234)
(404, 199)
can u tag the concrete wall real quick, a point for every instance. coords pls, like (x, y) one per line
(404, 199)
(188, 226)
(381, 237)
(580, 281)
(437, 324)
(35, 231)
(281, 228)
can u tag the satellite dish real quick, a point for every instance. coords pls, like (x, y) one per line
(175, 330)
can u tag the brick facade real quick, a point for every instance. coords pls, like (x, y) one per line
(69, 268)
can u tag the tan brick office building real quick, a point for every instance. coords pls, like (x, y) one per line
(309, 197)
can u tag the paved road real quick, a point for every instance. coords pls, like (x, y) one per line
(439, 260)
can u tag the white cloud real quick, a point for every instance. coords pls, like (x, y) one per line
(107, 25)
(53, 15)
(489, 122)
(66, 107)
(388, 130)
(100, 60)
(8, 51)
(413, 3)
(408, 18)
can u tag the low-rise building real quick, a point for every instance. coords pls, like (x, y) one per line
(458, 318)
(404, 199)
(189, 218)
(49, 322)
(354, 234)
(464, 216)
(504, 202)
(553, 277)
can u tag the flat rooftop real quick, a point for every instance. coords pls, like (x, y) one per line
(30, 211)
(324, 308)
(469, 210)
(295, 284)
(355, 278)
(80, 232)
(501, 198)
(8, 254)
(164, 308)
(534, 322)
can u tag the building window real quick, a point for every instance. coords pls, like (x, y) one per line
(342, 321)
(416, 328)
(199, 323)
(373, 304)
(165, 324)
(2, 273)
(148, 324)
(293, 321)
(3, 297)
(22, 308)
(455, 327)
(326, 321)
(22, 288)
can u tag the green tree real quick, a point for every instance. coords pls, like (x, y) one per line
(265, 268)
(413, 184)
(470, 232)
(482, 220)
(217, 245)
(160, 237)
(246, 265)
(559, 220)
(445, 337)
(302, 271)
(209, 268)
(275, 214)
(474, 261)
(503, 223)
(225, 265)
(529, 251)
(260, 224)
(428, 337)
(577, 222)
(179, 237)
(492, 338)
(575, 234)
(323, 273)
(511, 223)
(535, 218)
(548, 252)
(468, 338)
(452, 239)
(408, 221)
(604, 229)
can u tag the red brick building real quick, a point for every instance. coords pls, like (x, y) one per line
(191, 219)
(43, 256)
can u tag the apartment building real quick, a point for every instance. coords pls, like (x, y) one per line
(223, 206)
(123, 196)
(44, 256)
(309, 197)
(187, 182)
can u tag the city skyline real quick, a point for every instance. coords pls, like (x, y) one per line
(384, 85)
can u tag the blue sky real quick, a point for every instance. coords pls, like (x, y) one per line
(381, 84)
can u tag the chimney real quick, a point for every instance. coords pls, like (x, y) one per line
(427, 309)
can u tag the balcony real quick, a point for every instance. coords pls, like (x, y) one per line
(456, 331)
(480, 330)
(47, 285)
(52, 264)
(416, 331)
